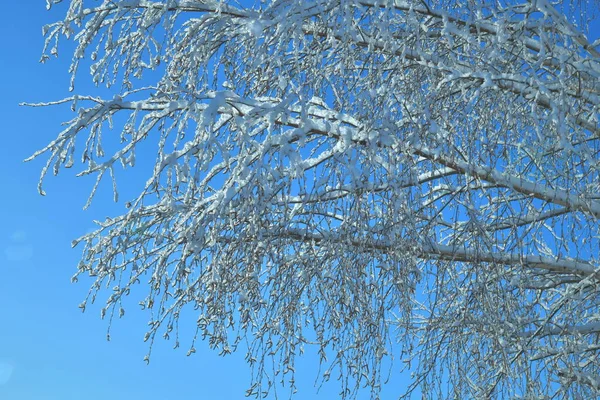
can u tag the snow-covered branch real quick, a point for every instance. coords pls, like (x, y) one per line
(359, 172)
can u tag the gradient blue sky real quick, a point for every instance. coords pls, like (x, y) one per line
(49, 350)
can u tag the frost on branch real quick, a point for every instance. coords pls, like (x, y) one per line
(415, 181)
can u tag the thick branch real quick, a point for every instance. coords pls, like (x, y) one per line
(520, 185)
(435, 251)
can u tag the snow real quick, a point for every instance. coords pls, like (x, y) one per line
(371, 167)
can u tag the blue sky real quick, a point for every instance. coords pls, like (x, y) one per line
(49, 350)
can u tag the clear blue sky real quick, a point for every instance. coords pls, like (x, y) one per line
(49, 350)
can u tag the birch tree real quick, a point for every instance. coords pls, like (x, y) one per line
(403, 185)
